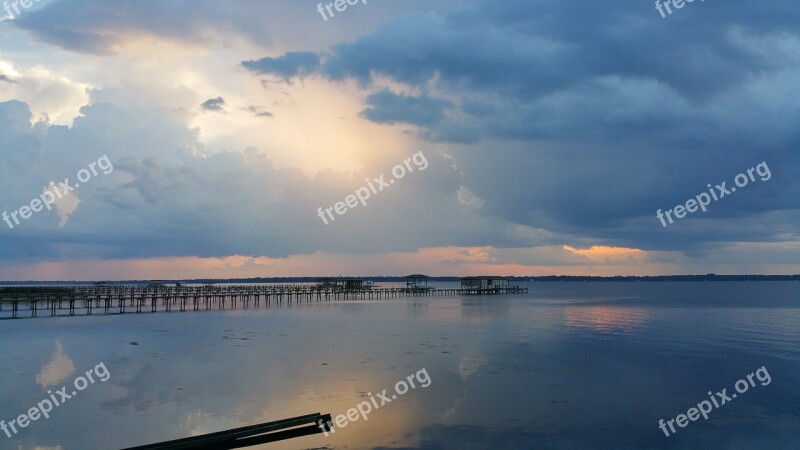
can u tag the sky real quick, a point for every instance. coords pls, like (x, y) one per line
(534, 137)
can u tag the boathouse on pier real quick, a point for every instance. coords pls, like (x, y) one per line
(417, 281)
(353, 284)
(347, 284)
(489, 282)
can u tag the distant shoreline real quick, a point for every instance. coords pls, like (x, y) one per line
(396, 279)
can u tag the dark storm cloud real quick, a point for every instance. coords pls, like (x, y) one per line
(463, 51)
(290, 65)
(213, 104)
(530, 69)
(99, 27)
(601, 113)
(6, 79)
(102, 27)
(390, 108)
(532, 47)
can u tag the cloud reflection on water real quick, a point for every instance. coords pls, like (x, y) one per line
(58, 369)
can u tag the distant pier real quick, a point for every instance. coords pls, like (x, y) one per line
(66, 301)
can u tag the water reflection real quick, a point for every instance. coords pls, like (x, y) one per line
(483, 307)
(474, 309)
(605, 319)
(506, 371)
(58, 369)
(417, 309)
(469, 365)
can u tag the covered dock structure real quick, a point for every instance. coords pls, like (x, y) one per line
(417, 282)
(485, 285)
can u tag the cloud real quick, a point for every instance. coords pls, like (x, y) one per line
(546, 96)
(514, 69)
(167, 193)
(213, 104)
(99, 28)
(258, 112)
(387, 107)
(606, 254)
(96, 27)
(48, 94)
(65, 204)
(288, 66)
(547, 124)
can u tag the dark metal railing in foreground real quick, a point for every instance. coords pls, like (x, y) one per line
(61, 301)
(247, 436)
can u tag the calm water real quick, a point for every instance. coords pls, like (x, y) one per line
(568, 366)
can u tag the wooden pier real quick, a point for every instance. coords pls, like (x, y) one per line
(67, 301)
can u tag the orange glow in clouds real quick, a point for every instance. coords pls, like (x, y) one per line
(602, 253)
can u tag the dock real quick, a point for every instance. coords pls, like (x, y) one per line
(69, 301)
